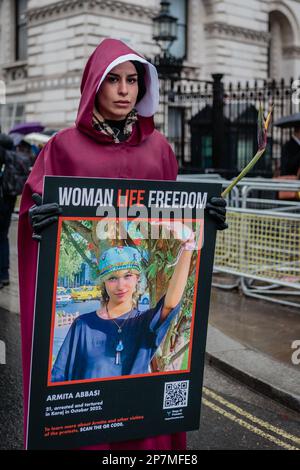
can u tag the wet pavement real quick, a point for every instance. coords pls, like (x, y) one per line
(11, 403)
(9, 296)
(262, 326)
(232, 417)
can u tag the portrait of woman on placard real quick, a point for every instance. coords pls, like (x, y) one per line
(118, 339)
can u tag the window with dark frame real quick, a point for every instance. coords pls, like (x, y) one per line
(207, 151)
(179, 8)
(21, 29)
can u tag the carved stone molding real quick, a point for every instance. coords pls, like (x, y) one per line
(69, 8)
(209, 6)
(237, 32)
(54, 10)
(291, 52)
(15, 72)
(191, 70)
(51, 83)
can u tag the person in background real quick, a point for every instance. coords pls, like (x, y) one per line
(290, 156)
(14, 170)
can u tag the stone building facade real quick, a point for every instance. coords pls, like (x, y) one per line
(42, 52)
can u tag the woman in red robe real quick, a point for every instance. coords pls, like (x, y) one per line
(113, 137)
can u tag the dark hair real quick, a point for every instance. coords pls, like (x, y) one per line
(6, 141)
(141, 79)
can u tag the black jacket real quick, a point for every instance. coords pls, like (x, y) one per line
(14, 168)
(290, 158)
(6, 143)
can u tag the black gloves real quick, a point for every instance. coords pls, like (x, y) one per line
(42, 215)
(216, 208)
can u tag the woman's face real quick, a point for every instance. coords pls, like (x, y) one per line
(121, 286)
(118, 92)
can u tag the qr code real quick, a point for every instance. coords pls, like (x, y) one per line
(176, 394)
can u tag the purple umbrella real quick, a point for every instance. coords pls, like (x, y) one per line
(27, 128)
(16, 137)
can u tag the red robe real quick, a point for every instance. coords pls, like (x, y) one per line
(83, 151)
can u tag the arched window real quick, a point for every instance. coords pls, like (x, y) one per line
(178, 8)
(21, 29)
(280, 63)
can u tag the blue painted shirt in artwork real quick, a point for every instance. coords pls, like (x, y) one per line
(89, 349)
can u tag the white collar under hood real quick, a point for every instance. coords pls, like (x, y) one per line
(150, 101)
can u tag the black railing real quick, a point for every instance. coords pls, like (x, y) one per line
(212, 126)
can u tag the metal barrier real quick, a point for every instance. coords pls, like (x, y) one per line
(232, 198)
(240, 195)
(261, 247)
(267, 190)
(263, 250)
